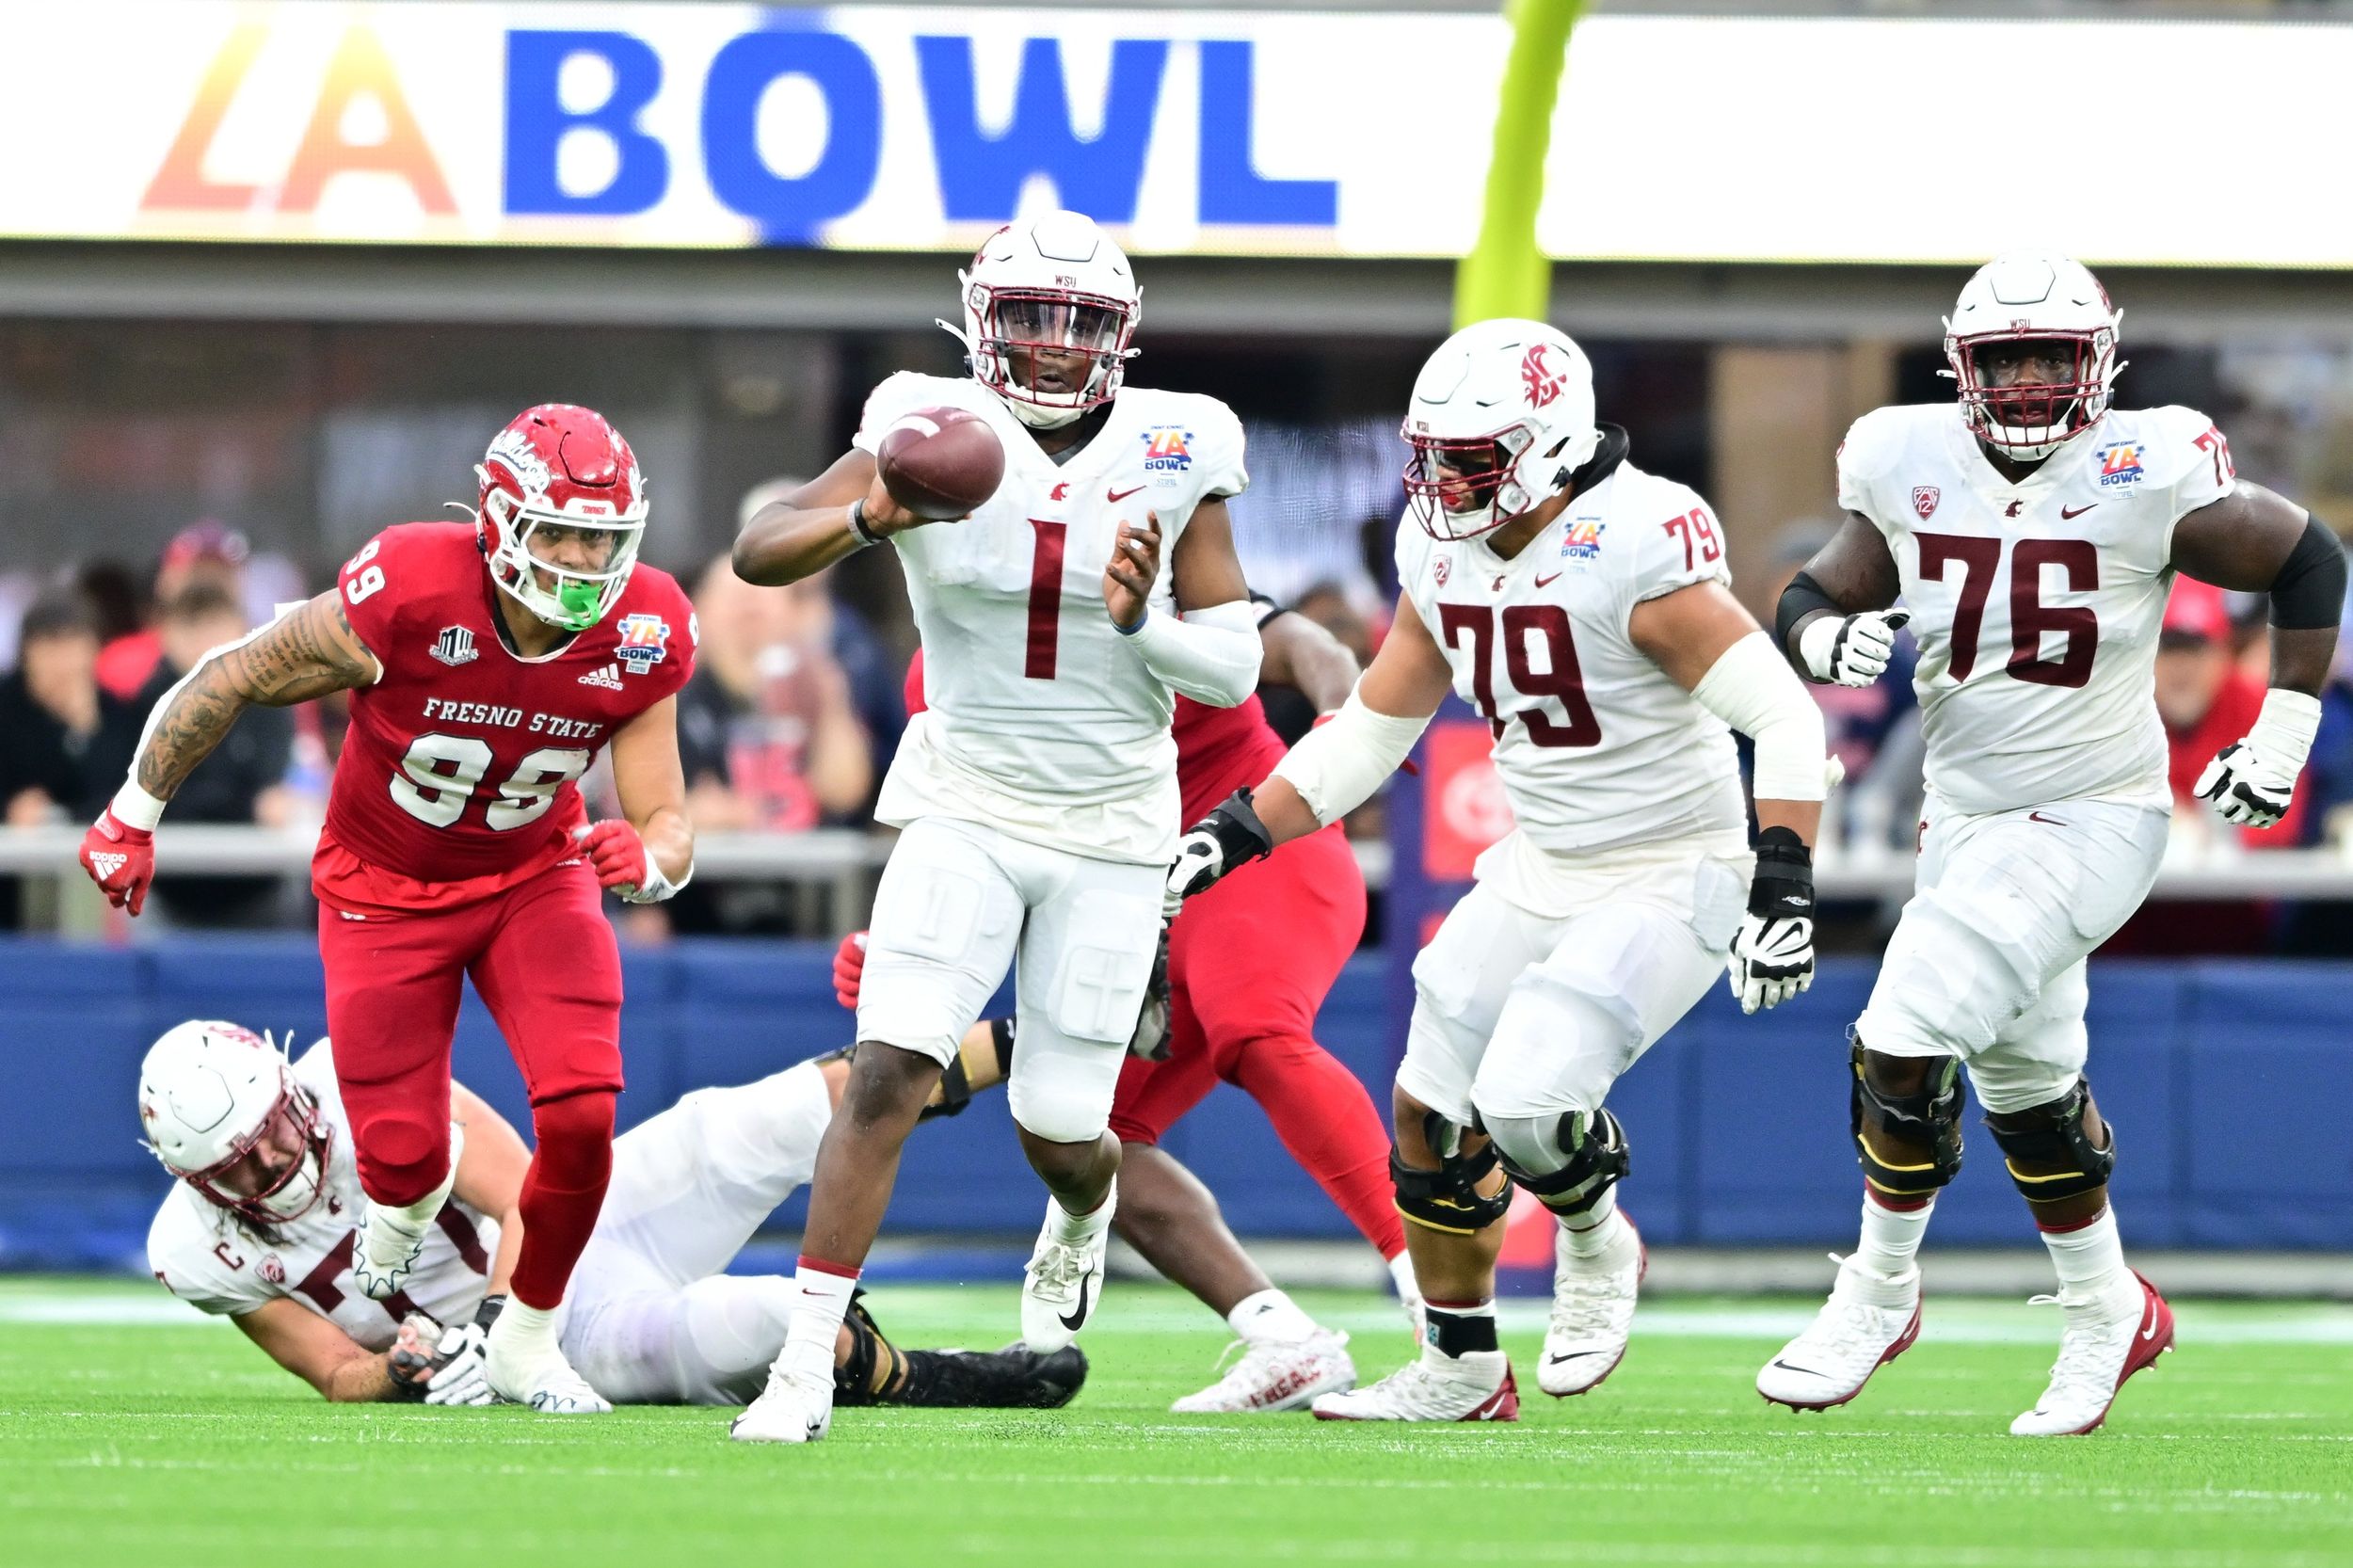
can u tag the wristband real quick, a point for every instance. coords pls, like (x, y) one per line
(859, 530)
(135, 808)
(1138, 626)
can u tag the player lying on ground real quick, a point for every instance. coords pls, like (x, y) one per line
(1037, 797)
(1247, 970)
(2032, 534)
(1582, 605)
(488, 663)
(260, 1229)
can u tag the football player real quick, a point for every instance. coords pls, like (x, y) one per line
(1247, 970)
(1037, 796)
(2032, 532)
(259, 1228)
(1581, 605)
(488, 662)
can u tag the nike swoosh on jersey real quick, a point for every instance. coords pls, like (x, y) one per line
(2071, 514)
(1547, 582)
(1120, 495)
(2037, 816)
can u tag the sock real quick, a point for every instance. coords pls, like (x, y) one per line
(2090, 1258)
(1891, 1237)
(1328, 1125)
(1598, 1230)
(1458, 1328)
(562, 1192)
(822, 1291)
(1271, 1317)
(1401, 1278)
(526, 1332)
(1081, 1229)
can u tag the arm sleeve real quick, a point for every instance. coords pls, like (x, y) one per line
(1337, 765)
(1212, 654)
(1751, 688)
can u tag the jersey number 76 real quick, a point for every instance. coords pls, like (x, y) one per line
(2029, 617)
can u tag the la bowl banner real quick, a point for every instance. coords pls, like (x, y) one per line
(1236, 133)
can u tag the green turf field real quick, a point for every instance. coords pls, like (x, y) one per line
(131, 1432)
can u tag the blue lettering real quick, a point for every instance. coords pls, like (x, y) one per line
(981, 176)
(1232, 189)
(536, 124)
(790, 211)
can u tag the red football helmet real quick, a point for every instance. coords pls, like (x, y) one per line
(562, 467)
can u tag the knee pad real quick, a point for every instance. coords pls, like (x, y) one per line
(575, 1139)
(1932, 1116)
(400, 1158)
(2049, 1154)
(1567, 1160)
(1058, 1113)
(1448, 1199)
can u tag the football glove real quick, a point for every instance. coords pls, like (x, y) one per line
(443, 1366)
(1150, 1039)
(2253, 781)
(623, 862)
(849, 968)
(121, 859)
(1772, 956)
(1228, 837)
(1851, 651)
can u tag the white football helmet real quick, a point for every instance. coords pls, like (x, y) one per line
(1502, 414)
(1055, 283)
(210, 1092)
(2034, 295)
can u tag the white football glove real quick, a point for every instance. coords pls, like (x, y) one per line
(440, 1366)
(1851, 651)
(1772, 956)
(2253, 781)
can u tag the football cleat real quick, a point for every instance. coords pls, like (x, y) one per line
(1063, 1284)
(787, 1411)
(392, 1240)
(1869, 1321)
(1474, 1386)
(1592, 1309)
(2108, 1338)
(524, 1365)
(1273, 1377)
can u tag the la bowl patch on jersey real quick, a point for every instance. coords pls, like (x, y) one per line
(2120, 464)
(1582, 542)
(1167, 449)
(645, 642)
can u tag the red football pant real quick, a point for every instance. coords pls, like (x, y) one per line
(543, 959)
(1249, 963)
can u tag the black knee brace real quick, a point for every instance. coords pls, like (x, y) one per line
(1932, 1117)
(2051, 1138)
(1448, 1199)
(1597, 1152)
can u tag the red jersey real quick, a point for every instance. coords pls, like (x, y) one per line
(460, 775)
(1219, 751)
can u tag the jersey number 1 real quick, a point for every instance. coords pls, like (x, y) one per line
(2029, 617)
(1561, 679)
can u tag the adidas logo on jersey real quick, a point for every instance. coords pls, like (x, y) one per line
(108, 864)
(609, 677)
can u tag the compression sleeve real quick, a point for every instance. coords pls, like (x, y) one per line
(2309, 592)
(1211, 655)
(1756, 692)
(1801, 599)
(1337, 766)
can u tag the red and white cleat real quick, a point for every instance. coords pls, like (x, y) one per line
(1869, 1321)
(1592, 1311)
(1272, 1378)
(2108, 1338)
(1475, 1387)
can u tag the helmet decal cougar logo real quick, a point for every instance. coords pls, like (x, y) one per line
(1543, 382)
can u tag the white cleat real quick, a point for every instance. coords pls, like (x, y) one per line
(1869, 1321)
(1476, 1386)
(787, 1411)
(2108, 1338)
(1063, 1284)
(524, 1365)
(1271, 1378)
(391, 1239)
(1592, 1310)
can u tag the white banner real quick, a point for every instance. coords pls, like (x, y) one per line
(1230, 133)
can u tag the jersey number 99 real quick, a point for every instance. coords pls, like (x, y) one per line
(437, 775)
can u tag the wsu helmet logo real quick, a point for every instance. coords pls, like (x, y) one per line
(1543, 383)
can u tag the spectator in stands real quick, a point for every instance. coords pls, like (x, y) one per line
(64, 741)
(241, 781)
(2207, 700)
(202, 552)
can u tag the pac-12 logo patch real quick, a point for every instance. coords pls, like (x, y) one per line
(645, 642)
(1442, 568)
(2120, 464)
(1167, 449)
(271, 1269)
(1923, 500)
(454, 646)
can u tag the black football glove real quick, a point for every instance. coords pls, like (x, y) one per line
(1229, 837)
(1772, 957)
(1150, 1039)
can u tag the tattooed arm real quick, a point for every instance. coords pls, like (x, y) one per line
(303, 654)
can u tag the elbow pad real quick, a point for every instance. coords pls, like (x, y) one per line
(2309, 593)
(1337, 766)
(1211, 655)
(1754, 691)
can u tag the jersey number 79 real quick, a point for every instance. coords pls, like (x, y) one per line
(1561, 679)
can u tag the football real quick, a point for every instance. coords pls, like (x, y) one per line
(940, 463)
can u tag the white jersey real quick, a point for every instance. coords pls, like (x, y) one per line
(1041, 719)
(1597, 747)
(2037, 605)
(212, 1260)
